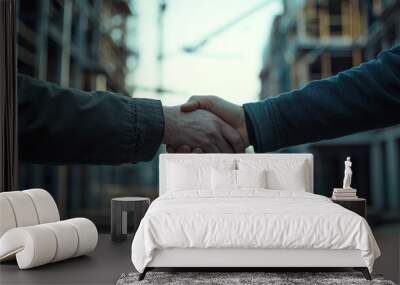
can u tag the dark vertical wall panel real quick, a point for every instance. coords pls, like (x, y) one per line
(8, 98)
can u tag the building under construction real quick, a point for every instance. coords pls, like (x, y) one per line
(314, 39)
(80, 44)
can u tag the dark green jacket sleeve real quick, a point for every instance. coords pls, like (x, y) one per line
(70, 126)
(362, 98)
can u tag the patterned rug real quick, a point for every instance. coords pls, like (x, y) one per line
(232, 278)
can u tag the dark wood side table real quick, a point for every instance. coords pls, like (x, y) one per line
(358, 205)
(119, 215)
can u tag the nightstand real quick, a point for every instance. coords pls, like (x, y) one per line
(358, 205)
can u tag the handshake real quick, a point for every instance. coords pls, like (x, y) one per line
(205, 124)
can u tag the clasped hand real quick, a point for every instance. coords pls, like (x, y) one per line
(205, 124)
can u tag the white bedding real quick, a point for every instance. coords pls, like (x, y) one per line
(250, 218)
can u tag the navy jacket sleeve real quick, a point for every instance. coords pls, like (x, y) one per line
(362, 98)
(69, 126)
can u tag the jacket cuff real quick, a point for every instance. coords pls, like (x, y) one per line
(262, 118)
(148, 127)
(250, 130)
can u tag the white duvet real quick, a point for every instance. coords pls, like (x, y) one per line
(250, 219)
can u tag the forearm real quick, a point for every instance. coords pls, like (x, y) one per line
(68, 126)
(362, 98)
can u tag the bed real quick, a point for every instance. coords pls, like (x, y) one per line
(246, 211)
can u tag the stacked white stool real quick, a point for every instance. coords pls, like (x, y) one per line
(31, 230)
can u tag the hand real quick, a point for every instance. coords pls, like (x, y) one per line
(229, 112)
(199, 130)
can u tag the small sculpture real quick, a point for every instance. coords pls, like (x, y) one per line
(347, 192)
(348, 173)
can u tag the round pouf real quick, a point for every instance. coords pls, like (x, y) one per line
(119, 214)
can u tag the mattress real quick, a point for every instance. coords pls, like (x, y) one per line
(251, 218)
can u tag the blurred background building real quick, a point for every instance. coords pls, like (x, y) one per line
(315, 39)
(318, 38)
(81, 44)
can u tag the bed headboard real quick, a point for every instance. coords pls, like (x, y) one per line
(165, 158)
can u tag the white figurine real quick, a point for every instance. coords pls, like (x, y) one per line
(347, 174)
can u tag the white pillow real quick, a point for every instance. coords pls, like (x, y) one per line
(226, 179)
(223, 179)
(194, 174)
(281, 174)
(292, 178)
(181, 177)
(251, 178)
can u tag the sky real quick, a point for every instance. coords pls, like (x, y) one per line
(227, 66)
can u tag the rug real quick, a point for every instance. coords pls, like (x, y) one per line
(233, 278)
